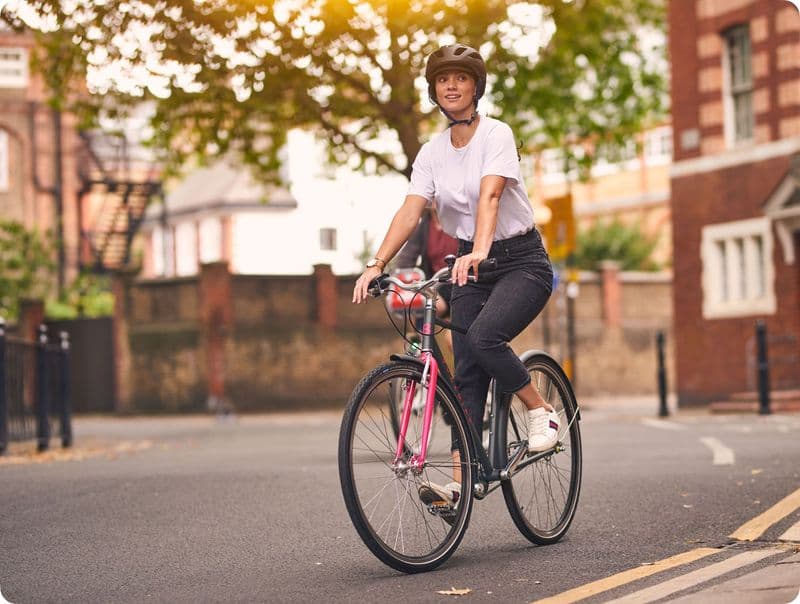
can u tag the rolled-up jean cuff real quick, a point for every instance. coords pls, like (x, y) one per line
(521, 386)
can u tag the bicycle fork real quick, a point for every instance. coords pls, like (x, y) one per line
(430, 377)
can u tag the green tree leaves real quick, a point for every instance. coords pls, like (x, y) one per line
(235, 75)
(627, 244)
(26, 266)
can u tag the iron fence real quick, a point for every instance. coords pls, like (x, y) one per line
(34, 389)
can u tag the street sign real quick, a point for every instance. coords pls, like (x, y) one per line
(559, 231)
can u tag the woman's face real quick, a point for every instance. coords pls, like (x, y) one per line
(455, 90)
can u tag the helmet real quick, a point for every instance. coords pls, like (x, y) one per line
(456, 56)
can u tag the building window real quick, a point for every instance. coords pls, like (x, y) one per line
(739, 85)
(13, 68)
(738, 276)
(4, 160)
(658, 145)
(327, 239)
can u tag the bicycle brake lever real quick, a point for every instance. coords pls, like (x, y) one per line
(378, 285)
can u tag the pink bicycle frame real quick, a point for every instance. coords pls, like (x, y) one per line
(431, 370)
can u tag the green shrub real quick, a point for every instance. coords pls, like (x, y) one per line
(627, 244)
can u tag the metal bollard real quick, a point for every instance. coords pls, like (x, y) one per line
(3, 400)
(662, 376)
(42, 402)
(763, 368)
(66, 403)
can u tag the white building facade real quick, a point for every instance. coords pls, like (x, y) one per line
(326, 215)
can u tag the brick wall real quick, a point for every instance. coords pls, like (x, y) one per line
(265, 343)
(712, 355)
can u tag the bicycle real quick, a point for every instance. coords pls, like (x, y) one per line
(381, 471)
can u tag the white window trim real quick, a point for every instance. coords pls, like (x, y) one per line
(728, 110)
(712, 274)
(19, 80)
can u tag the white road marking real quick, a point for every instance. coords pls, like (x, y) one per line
(723, 456)
(792, 534)
(662, 423)
(672, 586)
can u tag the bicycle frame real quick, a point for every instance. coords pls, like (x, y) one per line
(491, 466)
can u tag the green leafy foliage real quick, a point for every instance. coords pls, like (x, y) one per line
(26, 266)
(236, 75)
(89, 295)
(627, 244)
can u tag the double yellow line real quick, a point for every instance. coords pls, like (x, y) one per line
(749, 531)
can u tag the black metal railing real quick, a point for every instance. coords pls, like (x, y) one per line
(34, 390)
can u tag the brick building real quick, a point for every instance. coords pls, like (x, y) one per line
(735, 187)
(88, 189)
(38, 185)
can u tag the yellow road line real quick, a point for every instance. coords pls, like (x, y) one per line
(627, 576)
(753, 529)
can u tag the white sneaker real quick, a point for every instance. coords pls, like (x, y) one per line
(441, 500)
(542, 429)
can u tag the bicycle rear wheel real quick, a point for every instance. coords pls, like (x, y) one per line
(543, 495)
(382, 496)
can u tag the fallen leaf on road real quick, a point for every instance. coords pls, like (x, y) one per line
(756, 471)
(455, 592)
(688, 505)
(538, 582)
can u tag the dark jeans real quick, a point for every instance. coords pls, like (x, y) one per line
(495, 310)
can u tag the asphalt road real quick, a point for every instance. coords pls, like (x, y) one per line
(192, 509)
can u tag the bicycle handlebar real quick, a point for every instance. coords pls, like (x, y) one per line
(381, 283)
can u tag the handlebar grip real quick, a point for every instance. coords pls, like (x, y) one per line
(378, 284)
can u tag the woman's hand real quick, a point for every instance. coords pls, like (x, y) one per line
(464, 263)
(362, 285)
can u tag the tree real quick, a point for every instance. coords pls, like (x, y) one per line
(627, 244)
(26, 266)
(238, 74)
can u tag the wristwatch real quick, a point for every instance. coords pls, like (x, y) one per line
(375, 261)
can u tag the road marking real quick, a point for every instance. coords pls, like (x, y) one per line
(753, 529)
(627, 576)
(668, 588)
(662, 423)
(723, 456)
(793, 534)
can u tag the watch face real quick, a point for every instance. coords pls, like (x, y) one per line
(371, 263)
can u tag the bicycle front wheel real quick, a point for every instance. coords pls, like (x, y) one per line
(542, 496)
(382, 494)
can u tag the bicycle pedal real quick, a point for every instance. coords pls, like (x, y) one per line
(440, 508)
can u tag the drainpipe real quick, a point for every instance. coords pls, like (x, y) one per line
(57, 189)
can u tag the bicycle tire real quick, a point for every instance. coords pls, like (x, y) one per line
(542, 497)
(384, 504)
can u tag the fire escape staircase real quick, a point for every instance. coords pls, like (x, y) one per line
(116, 200)
(116, 223)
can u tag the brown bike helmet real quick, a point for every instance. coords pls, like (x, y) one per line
(456, 56)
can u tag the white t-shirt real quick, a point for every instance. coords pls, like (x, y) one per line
(450, 178)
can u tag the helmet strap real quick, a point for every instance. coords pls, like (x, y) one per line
(451, 121)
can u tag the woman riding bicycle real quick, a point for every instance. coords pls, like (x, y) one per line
(471, 175)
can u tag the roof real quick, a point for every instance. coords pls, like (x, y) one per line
(225, 184)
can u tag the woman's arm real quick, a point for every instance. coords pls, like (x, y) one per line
(414, 247)
(403, 224)
(485, 223)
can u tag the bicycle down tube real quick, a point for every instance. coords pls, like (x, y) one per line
(430, 375)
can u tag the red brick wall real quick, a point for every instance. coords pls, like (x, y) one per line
(711, 361)
(298, 341)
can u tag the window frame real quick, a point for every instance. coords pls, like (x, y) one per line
(9, 65)
(738, 85)
(327, 244)
(738, 274)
